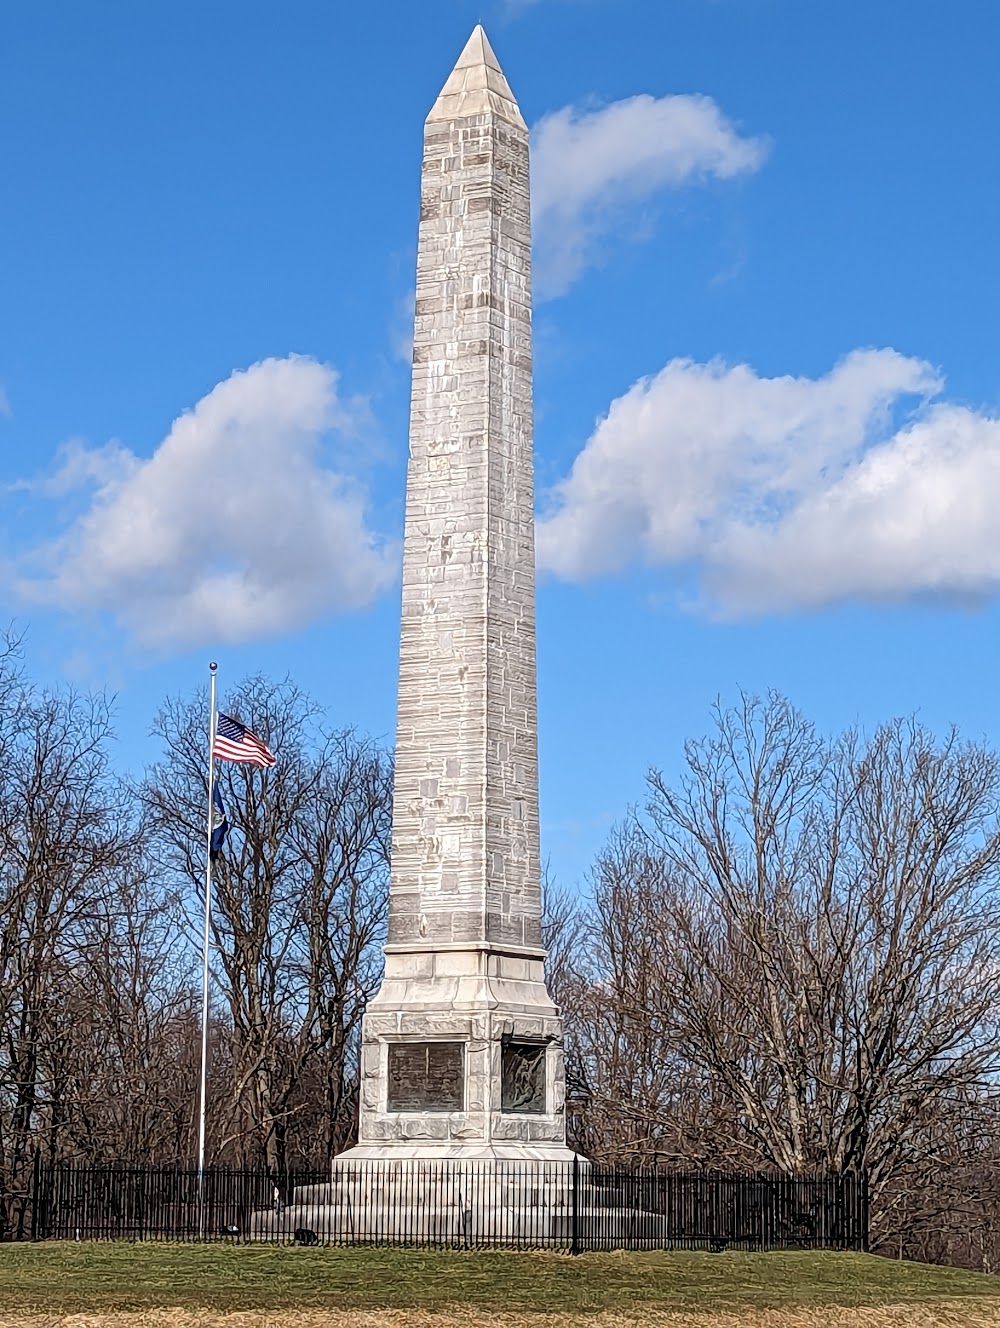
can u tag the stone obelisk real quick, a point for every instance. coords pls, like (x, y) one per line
(462, 1046)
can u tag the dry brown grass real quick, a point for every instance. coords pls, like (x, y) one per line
(941, 1314)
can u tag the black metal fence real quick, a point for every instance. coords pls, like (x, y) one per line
(576, 1207)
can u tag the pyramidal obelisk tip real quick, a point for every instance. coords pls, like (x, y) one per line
(476, 86)
(478, 51)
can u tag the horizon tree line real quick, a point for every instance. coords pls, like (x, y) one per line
(786, 960)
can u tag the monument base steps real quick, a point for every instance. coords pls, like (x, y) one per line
(436, 1200)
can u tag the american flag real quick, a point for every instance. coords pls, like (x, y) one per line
(235, 742)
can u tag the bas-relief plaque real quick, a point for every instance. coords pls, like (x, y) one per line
(426, 1076)
(522, 1078)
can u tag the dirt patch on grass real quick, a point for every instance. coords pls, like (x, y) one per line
(940, 1314)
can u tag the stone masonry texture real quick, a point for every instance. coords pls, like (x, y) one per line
(464, 980)
(465, 847)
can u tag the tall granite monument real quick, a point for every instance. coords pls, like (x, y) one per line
(462, 1046)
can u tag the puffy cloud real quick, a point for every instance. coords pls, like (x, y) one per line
(590, 167)
(915, 516)
(233, 529)
(784, 493)
(81, 467)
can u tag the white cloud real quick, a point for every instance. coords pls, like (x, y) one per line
(784, 493)
(233, 529)
(80, 466)
(590, 168)
(915, 516)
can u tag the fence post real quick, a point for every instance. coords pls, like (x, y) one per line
(864, 1212)
(36, 1187)
(575, 1236)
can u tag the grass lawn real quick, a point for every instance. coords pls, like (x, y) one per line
(264, 1285)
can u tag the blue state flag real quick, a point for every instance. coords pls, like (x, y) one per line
(220, 826)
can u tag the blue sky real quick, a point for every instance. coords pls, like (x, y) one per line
(767, 380)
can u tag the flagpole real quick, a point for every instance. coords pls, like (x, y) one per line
(205, 944)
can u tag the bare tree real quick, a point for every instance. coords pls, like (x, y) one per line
(788, 960)
(632, 1095)
(64, 837)
(299, 905)
(798, 949)
(121, 1044)
(563, 921)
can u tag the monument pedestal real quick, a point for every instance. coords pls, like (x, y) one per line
(462, 1058)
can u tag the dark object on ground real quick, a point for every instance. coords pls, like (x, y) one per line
(303, 1236)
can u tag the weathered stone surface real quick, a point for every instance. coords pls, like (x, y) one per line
(464, 956)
